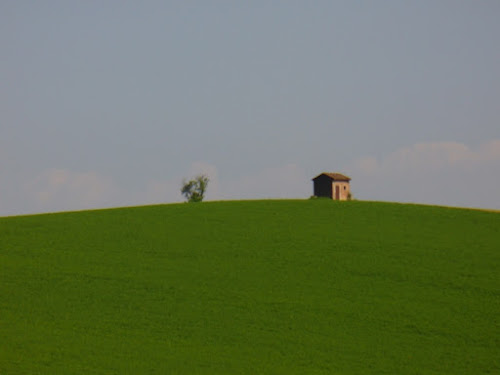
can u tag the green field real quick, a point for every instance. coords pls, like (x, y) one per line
(252, 287)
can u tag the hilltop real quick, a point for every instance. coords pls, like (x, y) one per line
(247, 287)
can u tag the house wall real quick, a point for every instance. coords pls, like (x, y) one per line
(323, 187)
(344, 187)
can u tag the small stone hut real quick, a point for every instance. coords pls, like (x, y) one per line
(332, 185)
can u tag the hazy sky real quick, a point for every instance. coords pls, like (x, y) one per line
(111, 103)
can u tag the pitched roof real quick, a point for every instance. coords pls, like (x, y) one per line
(334, 176)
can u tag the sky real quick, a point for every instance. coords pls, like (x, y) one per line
(114, 103)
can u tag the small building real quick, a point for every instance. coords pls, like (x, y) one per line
(332, 185)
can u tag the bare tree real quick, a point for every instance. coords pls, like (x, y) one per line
(194, 190)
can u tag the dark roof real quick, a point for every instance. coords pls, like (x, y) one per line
(334, 176)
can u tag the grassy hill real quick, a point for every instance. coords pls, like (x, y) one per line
(251, 287)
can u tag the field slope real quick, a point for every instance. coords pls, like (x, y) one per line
(255, 287)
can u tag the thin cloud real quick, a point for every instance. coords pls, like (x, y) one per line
(447, 173)
(287, 181)
(61, 189)
(160, 192)
(435, 172)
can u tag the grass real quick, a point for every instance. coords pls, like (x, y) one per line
(295, 287)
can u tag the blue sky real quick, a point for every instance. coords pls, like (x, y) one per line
(113, 103)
